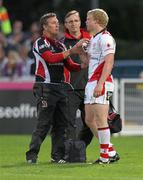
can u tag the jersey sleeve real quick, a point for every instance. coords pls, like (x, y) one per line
(108, 44)
(42, 46)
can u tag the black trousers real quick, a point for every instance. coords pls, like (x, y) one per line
(76, 127)
(50, 98)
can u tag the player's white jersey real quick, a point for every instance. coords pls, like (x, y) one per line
(100, 45)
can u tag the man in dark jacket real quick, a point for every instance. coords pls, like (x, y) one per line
(78, 81)
(50, 88)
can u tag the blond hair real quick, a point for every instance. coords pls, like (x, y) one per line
(100, 16)
(71, 13)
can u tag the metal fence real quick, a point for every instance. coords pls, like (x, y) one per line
(130, 96)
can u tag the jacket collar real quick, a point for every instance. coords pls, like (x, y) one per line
(84, 34)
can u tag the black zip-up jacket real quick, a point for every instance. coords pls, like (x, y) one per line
(77, 79)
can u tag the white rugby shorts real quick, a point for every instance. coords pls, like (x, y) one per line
(103, 99)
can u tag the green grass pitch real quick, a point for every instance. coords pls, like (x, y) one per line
(14, 167)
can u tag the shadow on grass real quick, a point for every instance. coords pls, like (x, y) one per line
(49, 164)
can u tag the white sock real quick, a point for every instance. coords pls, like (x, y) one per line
(104, 140)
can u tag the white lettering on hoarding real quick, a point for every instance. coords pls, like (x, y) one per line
(22, 111)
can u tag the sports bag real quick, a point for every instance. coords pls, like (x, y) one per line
(75, 151)
(114, 120)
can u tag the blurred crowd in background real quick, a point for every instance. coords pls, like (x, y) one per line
(19, 29)
(16, 57)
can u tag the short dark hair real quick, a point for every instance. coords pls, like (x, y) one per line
(71, 13)
(43, 20)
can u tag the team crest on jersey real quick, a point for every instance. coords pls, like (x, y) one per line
(44, 104)
(108, 45)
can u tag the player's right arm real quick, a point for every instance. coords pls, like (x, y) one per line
(43, 49)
